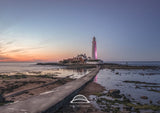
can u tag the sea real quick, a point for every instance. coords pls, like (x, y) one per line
(34, 69)
(24, 67)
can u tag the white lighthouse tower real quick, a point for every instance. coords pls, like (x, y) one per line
(94, 59)
(94, 49)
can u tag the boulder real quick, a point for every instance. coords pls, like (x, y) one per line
(144, 97)
(114, 93)
(117, 73)
(2, 99)
(150, 101)
(158, 101)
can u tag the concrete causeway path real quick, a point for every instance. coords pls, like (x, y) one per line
(52, 100)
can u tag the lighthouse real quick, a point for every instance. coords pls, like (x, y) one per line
(94, 49)
(94, 60)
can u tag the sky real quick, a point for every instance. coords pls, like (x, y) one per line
(51, 30)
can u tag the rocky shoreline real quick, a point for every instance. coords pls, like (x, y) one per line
(108, 101)
(113, 100)
(103, 66)
(20, 87)
(70, 66)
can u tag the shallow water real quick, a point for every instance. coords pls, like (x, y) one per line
(23, 67)
(114, 80)
(33, 69)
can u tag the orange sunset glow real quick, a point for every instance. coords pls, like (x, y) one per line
(11, 51)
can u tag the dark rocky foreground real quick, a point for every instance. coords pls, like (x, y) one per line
(114, 93)
(52, 100)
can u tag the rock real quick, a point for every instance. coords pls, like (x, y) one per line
(144, 97)
(137, 86)
(133, 99)
(158, 102)
(113, 70)
(2, 99)
(114, 93)
(127, 108)
(126, 100)
(150, 101)
(117, 73)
